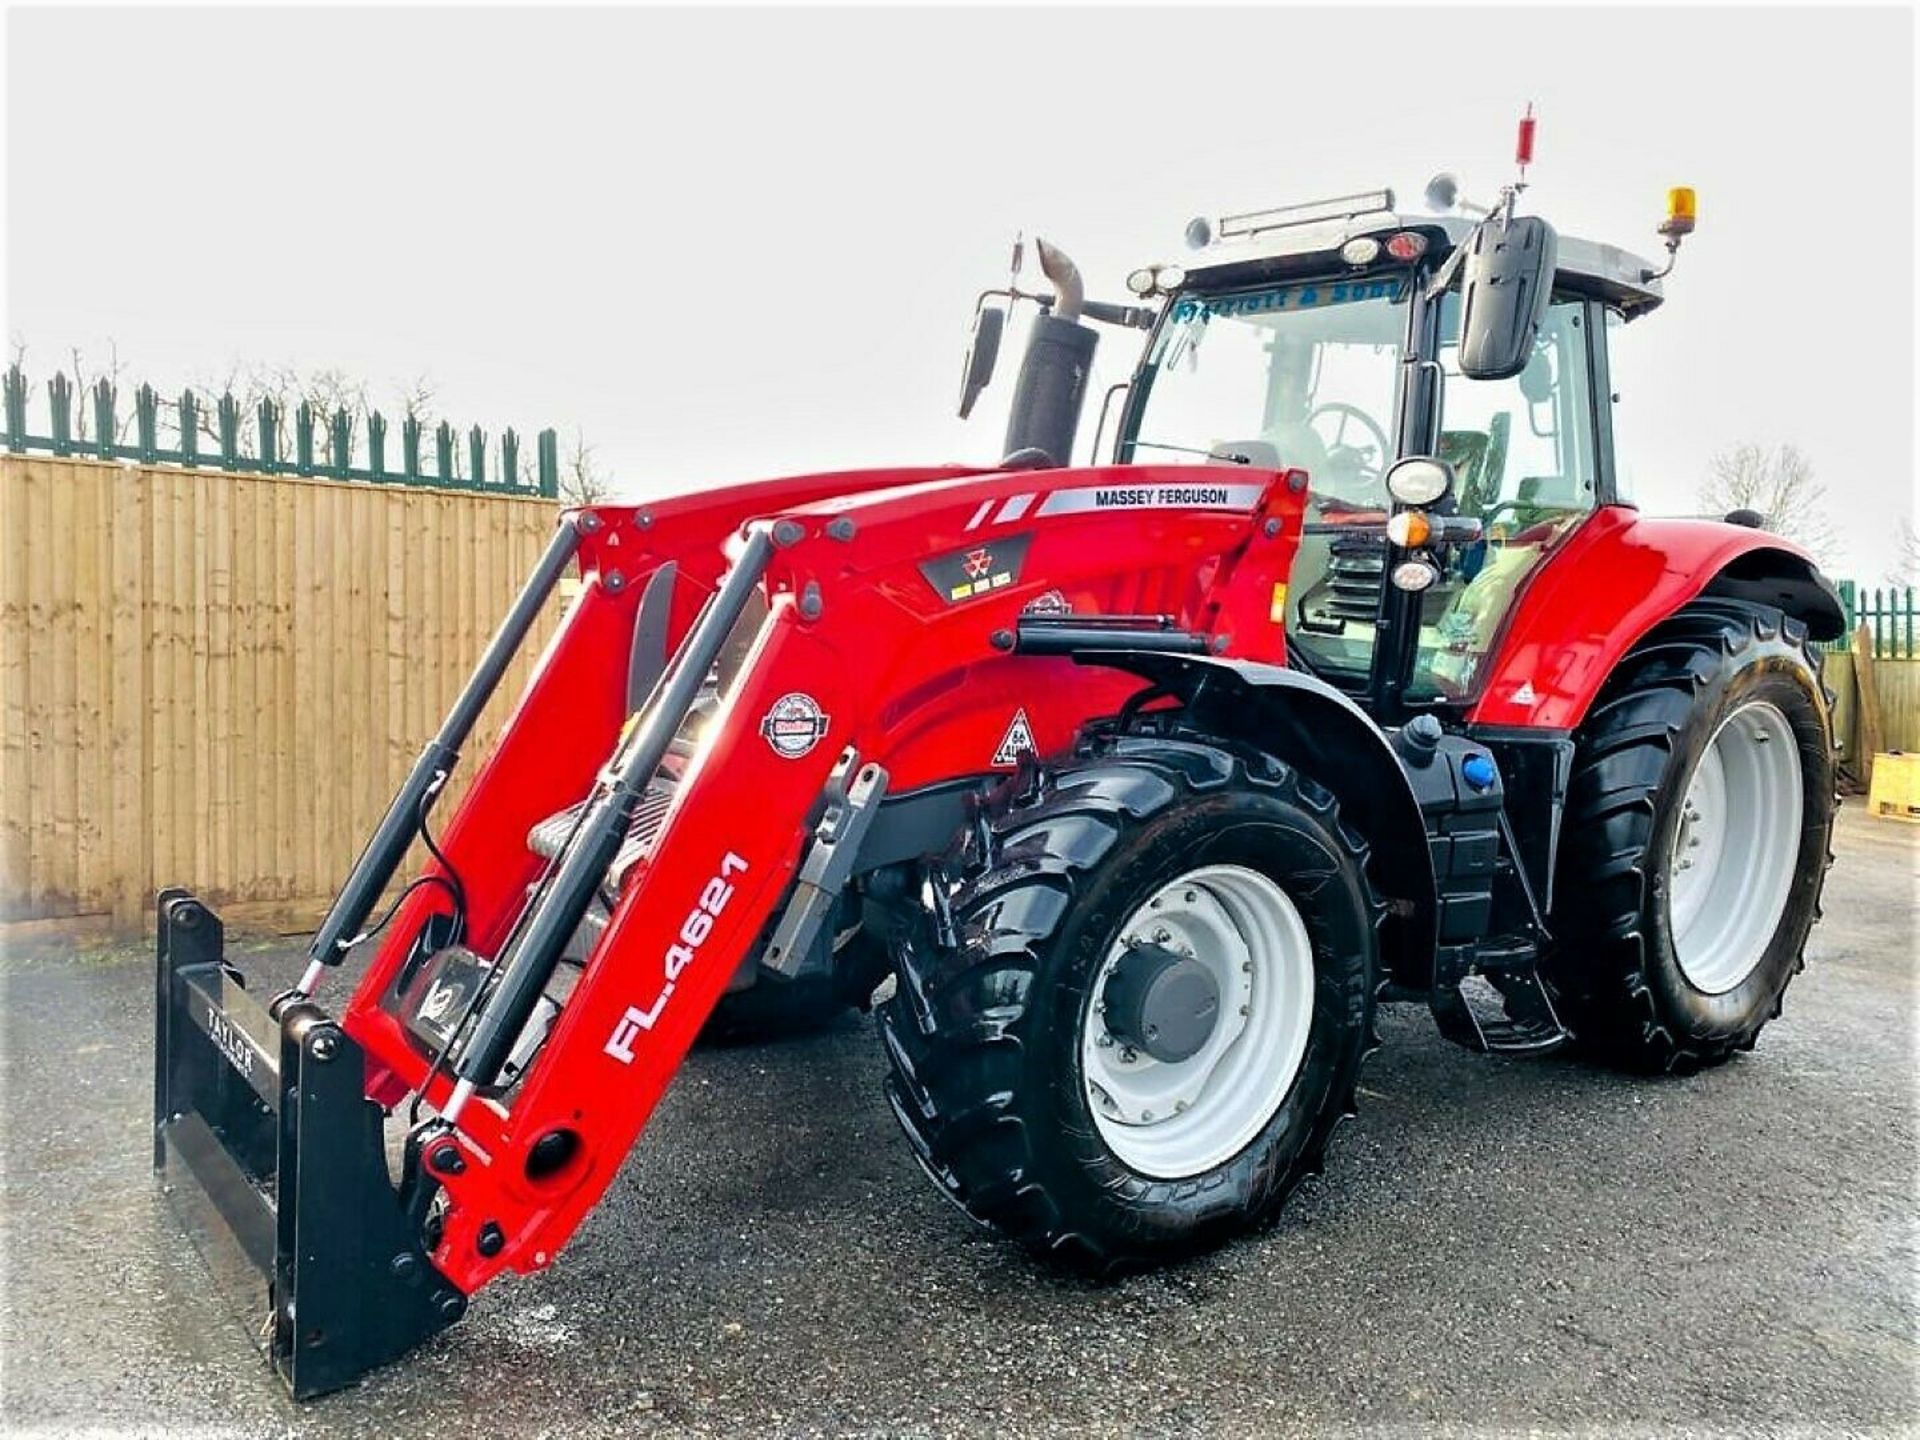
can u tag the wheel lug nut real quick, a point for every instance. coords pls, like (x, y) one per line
(1191, 896)
(1161, 935)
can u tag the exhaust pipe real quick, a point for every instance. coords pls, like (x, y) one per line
(1054, 373)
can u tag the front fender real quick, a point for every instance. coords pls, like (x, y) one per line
(1619, 575)
(1320, 732)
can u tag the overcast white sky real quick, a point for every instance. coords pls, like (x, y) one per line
(732, 243)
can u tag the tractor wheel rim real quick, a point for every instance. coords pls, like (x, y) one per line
(1170, 1120)
(1734, 849)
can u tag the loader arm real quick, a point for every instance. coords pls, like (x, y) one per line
(857, 627)
(890, 623)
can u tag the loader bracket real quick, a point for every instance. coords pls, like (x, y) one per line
(275, 1162)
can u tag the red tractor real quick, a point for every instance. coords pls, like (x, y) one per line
(1132, 788)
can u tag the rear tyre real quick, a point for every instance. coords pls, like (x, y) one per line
(1153, 1020)
(1696, 840)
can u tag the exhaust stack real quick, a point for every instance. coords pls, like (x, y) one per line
(1054, 372)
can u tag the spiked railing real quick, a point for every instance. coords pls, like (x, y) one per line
(324, 445)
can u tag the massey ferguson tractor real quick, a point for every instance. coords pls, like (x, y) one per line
(1341, 675)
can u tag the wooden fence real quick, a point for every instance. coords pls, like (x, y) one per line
(219, 679)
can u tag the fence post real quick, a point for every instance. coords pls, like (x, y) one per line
(105, 429)
(60, 407)
(443, 443)
(146, 419)
(510, 458)
(410, 448)
(477, 454)
(229, 432)
(303, 437)
(268, 421)
(16, 409)
(189, 429)
(547, 459)
(342, 447)
(377, 445)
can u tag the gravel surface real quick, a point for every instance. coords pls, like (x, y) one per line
(1499, 1245)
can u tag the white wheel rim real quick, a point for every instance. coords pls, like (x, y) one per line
(1170, 1120)
(1735, 848)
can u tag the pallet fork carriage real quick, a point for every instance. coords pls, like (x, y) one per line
(1143, 783)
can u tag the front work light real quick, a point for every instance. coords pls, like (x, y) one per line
(1140, 282)
(1418, 480)
(1361, 251)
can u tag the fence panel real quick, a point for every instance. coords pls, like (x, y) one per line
(219, 678)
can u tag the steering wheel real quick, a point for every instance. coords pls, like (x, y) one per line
(1361, 464)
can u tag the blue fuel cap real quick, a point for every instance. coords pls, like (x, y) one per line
(1478, 771)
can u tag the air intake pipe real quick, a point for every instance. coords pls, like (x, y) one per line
(1054, 373)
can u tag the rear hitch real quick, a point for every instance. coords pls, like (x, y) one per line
(276, 1164)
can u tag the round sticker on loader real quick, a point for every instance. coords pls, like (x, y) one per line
(794, 725)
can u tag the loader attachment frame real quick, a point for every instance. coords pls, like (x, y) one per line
(275, 1163)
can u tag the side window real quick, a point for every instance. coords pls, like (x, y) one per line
(1523, 447)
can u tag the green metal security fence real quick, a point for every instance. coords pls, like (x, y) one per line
(171, 432)
(1889, 612)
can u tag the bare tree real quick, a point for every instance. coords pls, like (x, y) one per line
(326, 392)
(582, 481)
(1906, 568)
(1778, 483)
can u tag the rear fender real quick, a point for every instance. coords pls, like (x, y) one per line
(1610, 583)
(1319, 731)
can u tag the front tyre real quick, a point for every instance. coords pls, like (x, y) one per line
(1696, 839)
(1153, 1020)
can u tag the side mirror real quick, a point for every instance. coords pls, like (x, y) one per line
(983, 349)
(1507, 282)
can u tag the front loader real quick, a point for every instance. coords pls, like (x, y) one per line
(1129, 790)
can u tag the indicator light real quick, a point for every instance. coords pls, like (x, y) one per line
(1409, 529)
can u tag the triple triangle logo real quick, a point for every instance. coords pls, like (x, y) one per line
(1018, 739)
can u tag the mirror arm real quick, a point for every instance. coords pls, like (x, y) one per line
(1443, 278)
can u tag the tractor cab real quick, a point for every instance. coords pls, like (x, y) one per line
(1330, 338)
(1441, 379)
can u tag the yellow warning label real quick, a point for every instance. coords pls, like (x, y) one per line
(1277, 611)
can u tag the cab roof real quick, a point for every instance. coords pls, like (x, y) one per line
(1274, 244)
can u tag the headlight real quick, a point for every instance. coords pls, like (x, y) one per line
(1140, 282)
(1418, 480)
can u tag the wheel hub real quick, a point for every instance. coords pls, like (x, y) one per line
(1198, 1020)
(1162, 1002)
